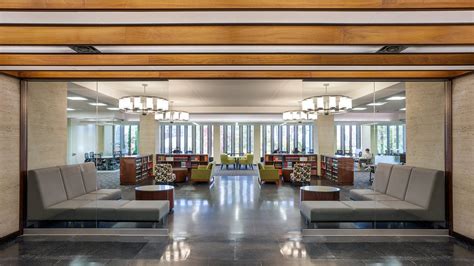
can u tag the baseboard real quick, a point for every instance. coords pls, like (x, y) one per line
(10, 237)
(463, 238)
(96, 232)
(376, 232)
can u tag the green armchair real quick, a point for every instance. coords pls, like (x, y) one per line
(227, 160)
(247, 160)
(202, 174)
(268, 173)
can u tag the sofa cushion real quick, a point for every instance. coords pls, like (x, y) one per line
(143, 210)
(382, 176)
(422, 186)
(407, 211)
(73, 183)
(89, 176)
(397, 185)
(378, 197)
(366, 211)
(357, 194)
(326, 211)
(112, 194)
(93, 197)
(45, 188)
(65, 210)
(102, 210)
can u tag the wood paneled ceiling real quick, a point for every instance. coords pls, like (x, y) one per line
(446, 64)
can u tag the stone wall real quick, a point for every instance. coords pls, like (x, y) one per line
(9, 155)
(47, 124)
(463, 155)
(425, 124)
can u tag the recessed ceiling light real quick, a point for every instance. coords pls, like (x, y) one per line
(359, 108)
(70, 109)
(396, 98)
(403, 109)
(98, 104)
(376, 104)
(76, 98)
(113, 108)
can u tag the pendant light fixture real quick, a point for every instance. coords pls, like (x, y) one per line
(172, 116)
(143, 104)
(299, 116)
(327, 104)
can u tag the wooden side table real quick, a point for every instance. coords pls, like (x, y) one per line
(319, 193)
(181, 174)
(156, 192)
(286, 172)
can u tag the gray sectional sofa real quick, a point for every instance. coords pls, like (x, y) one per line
(400, 193)
(68, 193)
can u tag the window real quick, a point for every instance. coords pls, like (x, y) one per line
(187, 138)
(348, 138)
(391, 139)
(237, 139)
(286, 138)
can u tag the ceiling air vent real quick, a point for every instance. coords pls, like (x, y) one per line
(84, 49)
(391, 49)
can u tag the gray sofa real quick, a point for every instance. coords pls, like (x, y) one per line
(68, 193)
(400, 193)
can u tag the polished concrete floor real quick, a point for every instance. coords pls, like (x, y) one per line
(235, 221)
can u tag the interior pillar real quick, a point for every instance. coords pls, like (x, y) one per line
(217, 144)
(425, 108)
(257, 145)
(147, 133)
(326, 139)
(47, 124)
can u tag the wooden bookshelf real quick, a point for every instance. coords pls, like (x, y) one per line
(281, 161)
(189, 161)
(135, 169)
(338, 169)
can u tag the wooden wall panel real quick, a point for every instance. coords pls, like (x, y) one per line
(237, 74)
(234, 4)
(233, 59)
(237, 34)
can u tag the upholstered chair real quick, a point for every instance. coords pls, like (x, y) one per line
(164, 173)
(301, 174)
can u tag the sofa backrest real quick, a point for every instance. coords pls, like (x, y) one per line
(89, 176)
(45, 188)
(382, 176)
(72, 178)
(425, 188)
(398, 182)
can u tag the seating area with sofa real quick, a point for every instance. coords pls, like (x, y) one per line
(400, 194)
(69, 193)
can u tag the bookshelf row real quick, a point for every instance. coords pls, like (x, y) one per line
(338, 169)
(283, 161)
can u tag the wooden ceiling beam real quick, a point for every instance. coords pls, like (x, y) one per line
(233, 59)
(233, 4)
(127, 75)
(238, 34)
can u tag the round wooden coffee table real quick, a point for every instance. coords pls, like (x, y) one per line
(286, 173)
(155, 192)
(319, 193)
(181, 174)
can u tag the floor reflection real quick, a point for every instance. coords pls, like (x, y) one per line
(235, 205)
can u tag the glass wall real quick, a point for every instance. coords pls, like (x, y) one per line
(287, 138)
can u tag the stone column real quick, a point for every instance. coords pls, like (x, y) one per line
(10, 155)
(147, 140)
(47, 124)
(425, 105)
(257, 144)
(463, 155)
(216, 145)
(326, 139)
